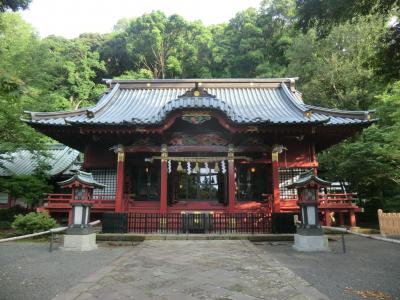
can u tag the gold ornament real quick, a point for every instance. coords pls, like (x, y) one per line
(179, 168)
(196, 168)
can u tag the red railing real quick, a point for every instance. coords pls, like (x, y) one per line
(333, 200)
(99, 201)
(107, 201)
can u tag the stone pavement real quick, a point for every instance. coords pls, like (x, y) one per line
(220, 269)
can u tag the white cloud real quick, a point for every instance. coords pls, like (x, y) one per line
(69, 18)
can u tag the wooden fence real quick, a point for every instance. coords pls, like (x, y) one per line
(389, 223)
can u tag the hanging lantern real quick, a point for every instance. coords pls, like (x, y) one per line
(216, 168)
(179, 168)
(206, 167)
(189, 168)
(196, 168)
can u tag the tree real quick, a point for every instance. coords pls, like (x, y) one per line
(14, 5)
(338, 70)
(371, 161)
(17, 41)
(70, 68)
(323, 15)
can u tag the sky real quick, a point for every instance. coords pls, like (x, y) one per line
(69, 18)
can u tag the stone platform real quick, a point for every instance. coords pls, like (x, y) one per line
(80, 242)
(190, 270)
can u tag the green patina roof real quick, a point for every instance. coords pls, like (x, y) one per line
(60, 158)
(84, 178)
(306, 178)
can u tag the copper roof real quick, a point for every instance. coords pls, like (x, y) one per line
(60, 158)
(243, 101)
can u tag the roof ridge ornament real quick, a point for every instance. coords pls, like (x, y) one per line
(197, 91)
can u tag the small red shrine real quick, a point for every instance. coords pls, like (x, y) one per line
(209, 145)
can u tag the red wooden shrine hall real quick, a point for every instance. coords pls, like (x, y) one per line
(216, 145)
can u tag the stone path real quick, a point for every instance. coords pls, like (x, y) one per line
(221, 269)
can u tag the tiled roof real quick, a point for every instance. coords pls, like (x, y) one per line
(84, 178)
(61, 159)
(306, 178)
(246, 101)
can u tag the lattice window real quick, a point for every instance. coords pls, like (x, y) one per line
(288, 176)
(107, 177)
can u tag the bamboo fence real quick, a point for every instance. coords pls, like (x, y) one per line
(389, 223)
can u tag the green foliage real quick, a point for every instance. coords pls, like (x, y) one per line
(7, 215)
(371, 162)
(338, 71)
(31, 188)
(33, 222)
(14, 5)
(141, 74)
(324, 14)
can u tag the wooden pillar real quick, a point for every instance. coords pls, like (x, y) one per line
(328, 221)
(164, 178)
(119, 195)
(70, 216)
(231, 179)
(352, 219)
(341, 219)
(275, 182)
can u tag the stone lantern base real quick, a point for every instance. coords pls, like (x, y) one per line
(80, 242)
(310, 243)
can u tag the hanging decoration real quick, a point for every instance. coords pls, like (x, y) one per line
(223, 167)
(196, 168)
(206, 160)
(169, 164)
(179, 168)
(206, 167)
(216, 168)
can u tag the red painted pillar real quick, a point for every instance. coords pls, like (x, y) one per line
(70, 216)
(164, 178)
(341, 219)
(328, 220)
(275, 182)
(231, 178)
(119, 195)
(353, 219)
(231, 185)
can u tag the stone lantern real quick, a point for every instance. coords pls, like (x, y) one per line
(309, 236)
(79, 235)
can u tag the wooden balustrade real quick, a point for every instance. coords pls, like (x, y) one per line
(99, 201)
(107, 201)
(327, 200)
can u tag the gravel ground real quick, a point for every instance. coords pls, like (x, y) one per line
(29, 271)
(367, 270)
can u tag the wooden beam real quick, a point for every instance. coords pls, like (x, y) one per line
(195, 148)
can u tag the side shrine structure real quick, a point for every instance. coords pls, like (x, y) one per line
(202, 145)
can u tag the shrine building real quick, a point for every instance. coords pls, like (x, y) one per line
(201, 145)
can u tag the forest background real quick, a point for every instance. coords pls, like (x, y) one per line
(345, 53)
